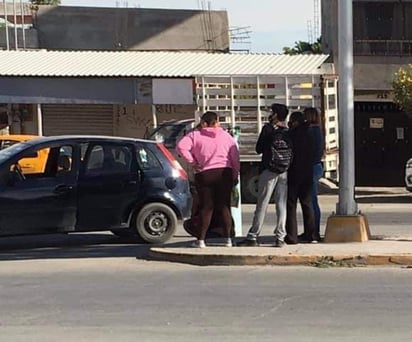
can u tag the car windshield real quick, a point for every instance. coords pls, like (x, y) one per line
(168, 133)
(11, 150)
(7, 143)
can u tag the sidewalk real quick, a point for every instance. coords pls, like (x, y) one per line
(392, 245)
(373, 252)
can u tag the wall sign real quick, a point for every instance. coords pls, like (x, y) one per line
(376, 122)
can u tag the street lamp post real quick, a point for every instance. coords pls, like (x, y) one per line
(346, 204)
(347, 225)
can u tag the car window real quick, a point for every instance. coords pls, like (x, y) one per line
(107, 158)
(12, 150)
(7, 143)
(64, 160)
(35, 162)
(146, 159)
(45, 162)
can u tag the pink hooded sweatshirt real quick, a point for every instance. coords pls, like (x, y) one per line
(210, 148)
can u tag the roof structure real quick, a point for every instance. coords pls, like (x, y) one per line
(43, 63)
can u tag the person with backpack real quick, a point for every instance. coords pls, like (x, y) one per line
(300, 181)
(275, 146)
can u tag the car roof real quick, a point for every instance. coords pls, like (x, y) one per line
(86, 138)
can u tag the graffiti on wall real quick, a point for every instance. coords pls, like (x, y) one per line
(132, 120)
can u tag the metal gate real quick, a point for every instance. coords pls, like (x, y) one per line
(383, 140)
(77, 119)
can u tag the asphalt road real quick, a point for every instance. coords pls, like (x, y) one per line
(124, 299)
(97, 287)
(389, 212)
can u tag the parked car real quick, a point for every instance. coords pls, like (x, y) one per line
(408, 175)
(133, 187)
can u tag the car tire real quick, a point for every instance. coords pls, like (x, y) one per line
(155, 223)
(249, 185)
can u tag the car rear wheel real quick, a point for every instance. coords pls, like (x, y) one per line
(249, 184)
(155, 223)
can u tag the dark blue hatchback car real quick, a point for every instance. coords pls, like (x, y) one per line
(132, 187)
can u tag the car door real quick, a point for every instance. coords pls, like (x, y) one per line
(39, 202)
(108, 185)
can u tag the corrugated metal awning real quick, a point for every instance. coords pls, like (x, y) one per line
(41, 63)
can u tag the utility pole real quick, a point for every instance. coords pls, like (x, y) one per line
(348, 225)
(16, 44)
(22, 10)
(347, 204)
(6, 25)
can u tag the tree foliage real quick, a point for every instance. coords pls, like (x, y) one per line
(45, 2)
(402, 88)
(304, 48)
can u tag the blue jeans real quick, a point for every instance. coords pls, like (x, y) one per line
(317, 174)
(269, 181)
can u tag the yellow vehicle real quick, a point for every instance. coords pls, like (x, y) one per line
(32, 164)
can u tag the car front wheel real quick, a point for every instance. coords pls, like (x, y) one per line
(155, 223)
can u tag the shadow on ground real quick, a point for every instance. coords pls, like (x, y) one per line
(378, 198)
(58, 246)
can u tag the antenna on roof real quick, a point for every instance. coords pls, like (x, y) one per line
(316, 19)
(240, 35)
(207, 25)
(310, 32)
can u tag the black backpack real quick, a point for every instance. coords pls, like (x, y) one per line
(280, 150)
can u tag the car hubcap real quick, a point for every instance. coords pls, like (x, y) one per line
(156, 223)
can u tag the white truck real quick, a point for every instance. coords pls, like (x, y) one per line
(243, 102)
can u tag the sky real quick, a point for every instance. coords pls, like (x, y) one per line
(274, 24)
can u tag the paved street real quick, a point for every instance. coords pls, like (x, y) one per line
(124, 299)
(388, 211)
(96, 287)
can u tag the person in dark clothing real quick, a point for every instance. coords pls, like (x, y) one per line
(312, 116)
(273, 176)
(300, 181)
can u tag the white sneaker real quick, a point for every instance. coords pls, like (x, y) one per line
(228, 243)
(198, 244)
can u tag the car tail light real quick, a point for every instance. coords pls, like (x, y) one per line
(172, 160)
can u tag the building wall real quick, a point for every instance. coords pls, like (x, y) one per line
(381, 49)
(78, 28)
(382, 44)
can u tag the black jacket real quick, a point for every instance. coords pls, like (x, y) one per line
(301, 168)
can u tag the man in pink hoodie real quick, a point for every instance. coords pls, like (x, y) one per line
(214, 156)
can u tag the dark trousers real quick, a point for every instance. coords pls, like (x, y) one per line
(300, 190)
(214, 188)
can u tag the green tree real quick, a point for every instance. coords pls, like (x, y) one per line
(304, 48)
(402, 88)
(45, 2)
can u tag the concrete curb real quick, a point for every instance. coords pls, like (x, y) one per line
(318, 260)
